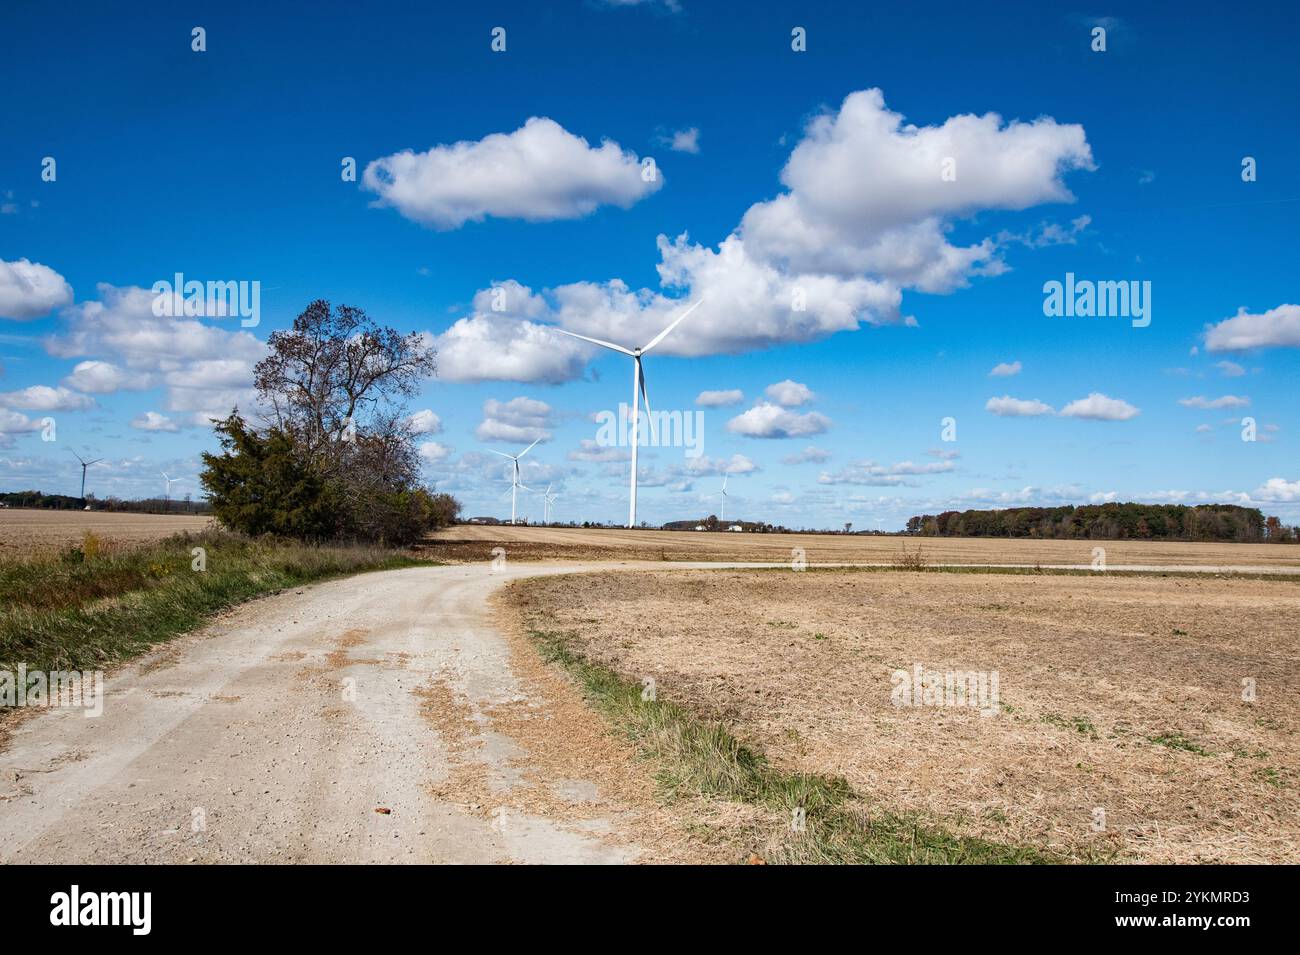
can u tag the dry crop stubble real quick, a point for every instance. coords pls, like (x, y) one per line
(475, 542)
(26, 533)
(1123, 694)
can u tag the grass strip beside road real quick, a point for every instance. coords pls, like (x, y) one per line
(702, 759)
(87, 608)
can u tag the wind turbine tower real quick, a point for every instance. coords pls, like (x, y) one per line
(638, 391)
(515, 483)
(84, 464)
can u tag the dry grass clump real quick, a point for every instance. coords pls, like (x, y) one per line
(909, 560)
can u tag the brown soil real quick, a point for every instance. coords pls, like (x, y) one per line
(1118, 694)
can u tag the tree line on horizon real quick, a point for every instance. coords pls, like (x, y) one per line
(67, 502)
(1114, 521)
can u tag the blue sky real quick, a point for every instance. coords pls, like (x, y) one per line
(818, 172)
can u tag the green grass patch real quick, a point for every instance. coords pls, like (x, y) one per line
(1080, 724)
(86, 609)
(1179, 741)
(1269, 775)
(697, 758)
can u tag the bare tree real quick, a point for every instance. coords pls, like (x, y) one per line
(337, 457)
(332, 374)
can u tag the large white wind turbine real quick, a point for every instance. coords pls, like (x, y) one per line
(515, 483)
(723, 516)
(638, 390)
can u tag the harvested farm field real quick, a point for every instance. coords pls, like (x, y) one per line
(1124, 726)
(33, 533)
(475, 542)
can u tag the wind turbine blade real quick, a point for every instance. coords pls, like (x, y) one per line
(526, 450)
(594, 341)
(502, 453)
(664, 334)
(644, 396)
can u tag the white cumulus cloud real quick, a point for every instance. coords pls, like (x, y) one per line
(433, 453)
(809, 455)
(766, 420)
(205, 369)
(153, 421)
(1278, 490)
(1008, 407)
(790, 394)
(871, 474)
(520, 420)
(719, 399)
(104, 378)
(29, 290)
(12, 422)
(837, 248)
(1099, 407)
(539, 172)
(683, 141)
(45, 398)
(1277, 328)
(893, 222)
(424, 422)
(1204, 403)
(500, 342)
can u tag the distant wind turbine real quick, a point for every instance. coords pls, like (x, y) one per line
(515, 483)
(84, 464)
(547, 500)
(723, 516)
(167, 494)
(638, 390)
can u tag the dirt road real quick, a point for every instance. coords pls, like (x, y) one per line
(276, 733)
(281, 732)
